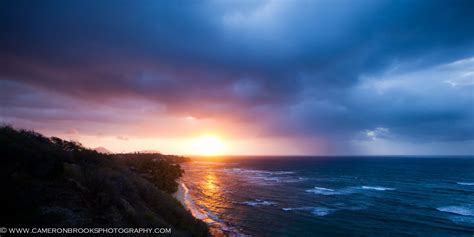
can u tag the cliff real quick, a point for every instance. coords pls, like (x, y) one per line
(49, 182)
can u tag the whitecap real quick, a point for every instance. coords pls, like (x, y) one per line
(328, 191)
(323, 191)
(276, 179)
(283, 172)
(297, 208)
(465, 183)
(378, 188)
(321, 211)
(293, 180)
(258, 202)
(317, 211)
(467, 210)
(262, 177)
(345, 191)
(258, 172)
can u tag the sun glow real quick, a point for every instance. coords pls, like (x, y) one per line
(209, 145)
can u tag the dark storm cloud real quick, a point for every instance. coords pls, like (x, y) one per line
(298, 64)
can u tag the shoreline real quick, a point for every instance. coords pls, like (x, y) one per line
(182, 196)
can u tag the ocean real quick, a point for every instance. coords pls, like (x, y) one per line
(333, 196)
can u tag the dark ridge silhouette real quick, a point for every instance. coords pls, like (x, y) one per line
(50, 182)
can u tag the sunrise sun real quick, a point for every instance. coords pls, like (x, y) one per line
(209, 145)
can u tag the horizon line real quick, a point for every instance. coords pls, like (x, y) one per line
(282, 156)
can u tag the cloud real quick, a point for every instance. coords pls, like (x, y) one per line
(123, 138)
(377, 133)
(313, 69)
(72, 131)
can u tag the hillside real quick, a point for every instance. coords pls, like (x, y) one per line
(49, 182)
(102, 150)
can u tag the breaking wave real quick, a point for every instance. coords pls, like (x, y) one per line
(378, 188)
(467, 210)
(316, 211)
(465, 183)
(328, 191)
(345, 191)
(258, 202)
(263, 177)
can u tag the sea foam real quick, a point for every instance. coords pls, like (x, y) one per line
(328, 191)
(345, 191)
(467, 210)
(322, 191)
(465, 183)
(378, 188)
(262, 177)
(258, 202)
(207, 216)
(189, 204)
(316, 211)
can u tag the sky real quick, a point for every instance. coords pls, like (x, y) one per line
(340, 77)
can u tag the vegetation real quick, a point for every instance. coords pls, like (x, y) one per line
(152, 156)
(49, 182)
(159, 169)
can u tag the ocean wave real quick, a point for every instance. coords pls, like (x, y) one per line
(189, 204)
(276, 179)
(263, 177)
(261, 172)
(323, 191)
(258, 202)
(378, 188)
(345, 191)
(283, 172)
(316, 211)
(328, 191)
(321, 211)
(467, 210)
(465, 183)
(294, 180)
(208, 217)
(209, 162)
(350, 206)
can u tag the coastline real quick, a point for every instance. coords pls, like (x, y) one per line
(125, 183)
(179, 195)
(182, 196)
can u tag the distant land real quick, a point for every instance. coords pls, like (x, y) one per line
(102, 150)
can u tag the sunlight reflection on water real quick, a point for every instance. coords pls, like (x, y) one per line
(212, 200)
